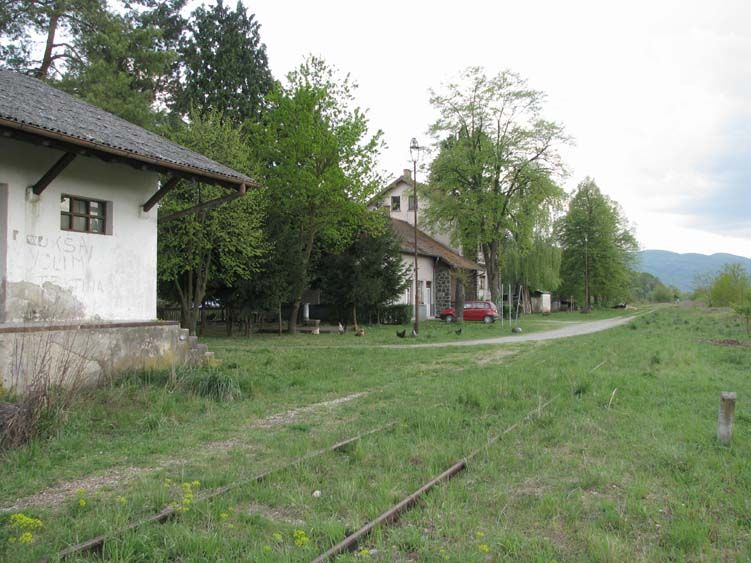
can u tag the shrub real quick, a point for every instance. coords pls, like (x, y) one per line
(213, 383)
(396, 314)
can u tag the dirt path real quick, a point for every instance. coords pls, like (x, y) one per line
(574, 329)
(62, 491)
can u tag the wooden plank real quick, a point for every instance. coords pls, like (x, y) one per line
(53, 172)
(160, 193)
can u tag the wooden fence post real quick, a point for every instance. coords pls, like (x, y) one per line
(726, 417)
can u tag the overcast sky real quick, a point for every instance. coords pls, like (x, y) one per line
(657, 94)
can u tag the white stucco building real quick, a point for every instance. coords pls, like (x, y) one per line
(79, 192)
(438, 261)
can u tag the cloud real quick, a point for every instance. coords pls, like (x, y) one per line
(726, 207)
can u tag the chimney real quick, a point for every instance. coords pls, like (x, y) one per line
(407, 173)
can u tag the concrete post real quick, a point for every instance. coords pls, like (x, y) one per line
(305, 311)
(726, 417)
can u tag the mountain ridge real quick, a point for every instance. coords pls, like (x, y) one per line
(681, 269)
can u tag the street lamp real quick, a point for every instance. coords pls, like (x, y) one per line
(414, 152)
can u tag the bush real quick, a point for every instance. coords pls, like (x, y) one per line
(214, 384)
(396, 314)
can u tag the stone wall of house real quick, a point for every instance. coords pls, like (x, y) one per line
(442, 284)
(52, 274)
(88, 353)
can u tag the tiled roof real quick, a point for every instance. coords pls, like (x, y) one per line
(428, 246)
(31, 106)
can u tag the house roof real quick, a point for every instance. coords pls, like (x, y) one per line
(406, 178)
(428, 246)
(31, 109)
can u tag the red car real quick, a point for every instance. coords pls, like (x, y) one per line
(484, 311)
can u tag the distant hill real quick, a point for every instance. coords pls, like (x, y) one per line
(680, 270)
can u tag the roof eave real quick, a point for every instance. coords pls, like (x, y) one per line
(91, 148)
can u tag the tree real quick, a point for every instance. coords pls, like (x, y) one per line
(53, 20)
(598, 247)
(224, 64)
(319, 166)
(731, 286)
(489, 136)
(369, 272)
(127, 62)
(223, 244)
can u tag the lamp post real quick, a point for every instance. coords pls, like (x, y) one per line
(414, 152)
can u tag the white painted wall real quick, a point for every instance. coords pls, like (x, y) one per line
(425, 273)
(111, 277)
(404, 190)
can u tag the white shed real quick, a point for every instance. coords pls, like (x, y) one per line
(541, 302)
(78, 229)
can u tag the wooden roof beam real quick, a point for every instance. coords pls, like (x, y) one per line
(61, 164)
(161, 192)
(205, 205)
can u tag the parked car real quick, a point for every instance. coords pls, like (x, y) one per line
(484, 311)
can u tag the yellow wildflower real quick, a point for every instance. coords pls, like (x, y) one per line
(484, 548)
(223, 516)
(22, 522)
(276, 536)
(196, 484)
(301, 538)
(443, 554)
(26, 538)
(122, 500)
(480, 535)
(364, 552)
(81, 502)
(267, 549)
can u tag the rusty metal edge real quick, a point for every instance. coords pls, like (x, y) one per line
(165, 514)
(392, 514)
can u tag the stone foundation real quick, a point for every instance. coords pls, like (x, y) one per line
(87, 353)
(442, 284)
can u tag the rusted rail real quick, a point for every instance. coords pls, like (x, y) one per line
(96, 544)
(393, 514)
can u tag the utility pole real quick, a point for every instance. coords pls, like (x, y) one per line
(414, 151)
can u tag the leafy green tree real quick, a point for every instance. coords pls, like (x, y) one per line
(223, 245)
(598, 247)
(492, 144)
(731, 286)
(368, 272)
(224, 64)
(319, 166)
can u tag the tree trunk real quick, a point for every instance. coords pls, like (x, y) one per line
(459, 298)
(491, 255)
(297, 297)
(354, 315)
(47, 57)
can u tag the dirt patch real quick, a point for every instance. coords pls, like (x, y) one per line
(54, 496)
(495, 356)
(275, 513)
(731, 342)
(58, 494)
(288, 417)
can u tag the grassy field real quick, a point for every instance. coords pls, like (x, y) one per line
(622, 465)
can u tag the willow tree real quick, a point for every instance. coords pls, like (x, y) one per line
(489, 136)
